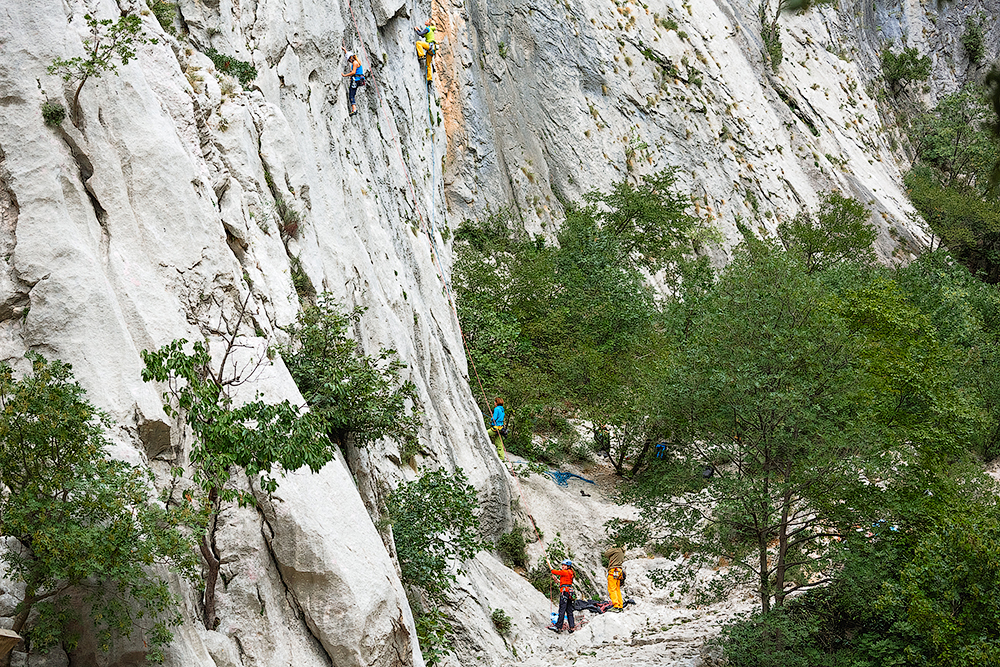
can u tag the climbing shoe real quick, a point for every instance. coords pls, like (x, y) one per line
(618, 610)
(555, 629)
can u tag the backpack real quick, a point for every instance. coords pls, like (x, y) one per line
(503, 429)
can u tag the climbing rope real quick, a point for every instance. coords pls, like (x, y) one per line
(427, 226)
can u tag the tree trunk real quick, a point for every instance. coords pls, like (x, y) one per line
(212, 561)
(779, 568)
(764, 590)
(641, 455)
(76, 103)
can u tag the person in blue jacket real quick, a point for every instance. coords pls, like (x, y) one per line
(496, 425)
(357, 75)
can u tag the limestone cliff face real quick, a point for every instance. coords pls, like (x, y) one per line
(154, 214)
(562, 97)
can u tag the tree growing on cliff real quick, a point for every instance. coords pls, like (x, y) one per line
(352, 393)
(109, 41)
(84, 524)
(255, 437)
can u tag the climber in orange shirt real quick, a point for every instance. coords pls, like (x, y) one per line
(565, 595)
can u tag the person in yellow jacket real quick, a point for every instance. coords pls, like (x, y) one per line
(427, 47)
(616, 576)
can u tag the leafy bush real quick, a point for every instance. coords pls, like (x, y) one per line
(501, 621)
(53, 113)
(85, 523)
(351, 393)
(289, 220)
(164, 13)
(244, 72)
(770, 34)
(972, 40)
(904, 68)
(512, 547)
(434, 525)
(433, 634)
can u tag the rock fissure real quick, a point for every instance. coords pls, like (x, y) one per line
(269, 535)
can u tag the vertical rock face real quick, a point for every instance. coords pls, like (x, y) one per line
(154, 213)
(167, 202)
(562, 97)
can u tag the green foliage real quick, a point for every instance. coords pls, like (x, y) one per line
(902, 69)
(85, 524)
(972, 40)
(967, 223)
(512, 547)
(109, 41)
(164, 13)
(304, 288)
(948, 593)
(433, 635)
(840, 232)
(900, 599)
(434, 524)
(954, 138)
(257, 438)
(572, 327)
(53, 113)
(244, 72)
(501, 621)
(350, 393)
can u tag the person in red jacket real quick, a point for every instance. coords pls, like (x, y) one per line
(565, 576)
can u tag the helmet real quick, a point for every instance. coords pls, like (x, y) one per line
(349, 55)
(568, 563)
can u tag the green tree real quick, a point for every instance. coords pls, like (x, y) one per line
(822, 402)
(901, 69)
(955, 140)
(434, 526)
(558, 329)
(109, 41)
(762, 389)
(254, 437)
(84, 524)
(841, 231)
(350, 392)
(967, 223)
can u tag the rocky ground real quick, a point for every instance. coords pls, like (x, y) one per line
(660, 629)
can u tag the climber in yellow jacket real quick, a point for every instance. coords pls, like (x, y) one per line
(616, 576)
(427, 47)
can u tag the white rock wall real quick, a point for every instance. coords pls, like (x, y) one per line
(152, 217)
(562, 97)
